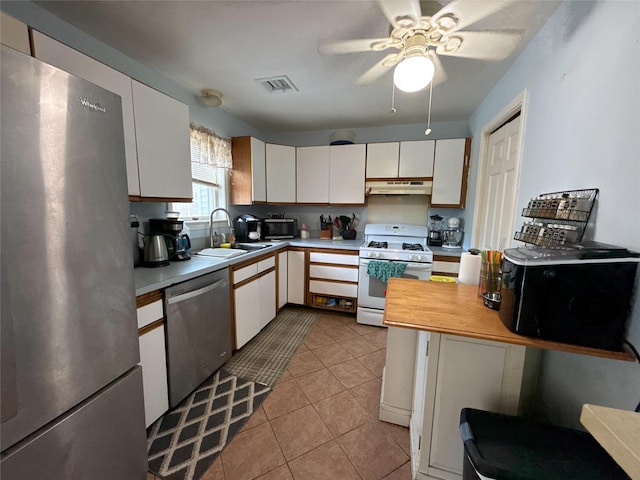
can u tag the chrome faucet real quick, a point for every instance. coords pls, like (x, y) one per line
(231, 236)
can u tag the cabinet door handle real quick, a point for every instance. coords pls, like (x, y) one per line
(194, 293)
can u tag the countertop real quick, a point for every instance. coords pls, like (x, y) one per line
(455, 309)
(150, 279)
(618, 431)
(447, 252)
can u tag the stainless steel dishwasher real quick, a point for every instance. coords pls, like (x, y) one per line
(198, 331)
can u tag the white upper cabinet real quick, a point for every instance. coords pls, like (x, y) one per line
(412, 159)
(382, 160)
(416, 159)
(346, 173)
(162, 136)
(258, 170)
(281, 173)
(156, 127)
(312, 178)
(66, 58)
(451, 167)
(14, 33)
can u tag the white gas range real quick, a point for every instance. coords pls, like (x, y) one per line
(388, 245)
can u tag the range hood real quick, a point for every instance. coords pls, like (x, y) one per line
(399, 187)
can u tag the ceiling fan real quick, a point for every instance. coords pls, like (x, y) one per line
(420, 40)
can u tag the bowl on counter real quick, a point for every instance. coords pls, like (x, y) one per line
(492, 300)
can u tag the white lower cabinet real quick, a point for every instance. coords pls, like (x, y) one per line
(153, 360)
(464, 372)
(254, 298)
(333, 279)
(295, 278)
(283, 276)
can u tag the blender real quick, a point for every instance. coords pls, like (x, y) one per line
(435, 231)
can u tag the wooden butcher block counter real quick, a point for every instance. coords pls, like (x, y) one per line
(455, 309)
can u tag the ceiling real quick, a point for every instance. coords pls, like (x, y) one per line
(227, 45)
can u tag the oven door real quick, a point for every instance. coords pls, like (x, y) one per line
(371, 291)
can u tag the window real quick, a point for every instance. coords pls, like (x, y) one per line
(210, 166)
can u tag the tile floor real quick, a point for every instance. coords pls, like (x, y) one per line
(321, 420)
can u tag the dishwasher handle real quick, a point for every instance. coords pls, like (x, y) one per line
(194, 293)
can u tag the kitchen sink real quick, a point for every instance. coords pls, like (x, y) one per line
(221, 252)
(250, 246)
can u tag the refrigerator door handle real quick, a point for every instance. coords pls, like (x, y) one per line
(9, 389)
(194, 293)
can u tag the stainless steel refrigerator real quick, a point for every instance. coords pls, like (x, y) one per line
(71, 393)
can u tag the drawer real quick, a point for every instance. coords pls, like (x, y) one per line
(266, 264)
(333, 273)
(317, 257)
(332, 288)
(245, 272)
(446, 267)
(150, 313)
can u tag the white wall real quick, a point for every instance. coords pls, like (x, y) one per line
(582, 130)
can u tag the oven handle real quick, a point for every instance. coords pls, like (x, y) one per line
(423, 266)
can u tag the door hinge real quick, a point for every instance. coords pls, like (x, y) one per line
(419, 442)
(427, 349)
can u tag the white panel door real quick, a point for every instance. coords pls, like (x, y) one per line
(247, 312)
(162, 137)
(283, 275)
(382, 160)
(267, 298)
(281, 173)
(258, 171)
(416, 159)
(347, 170)
(59, 55)
(312, 174)
(295, 280)
(447, 172)
(154, 374)
(499, 187)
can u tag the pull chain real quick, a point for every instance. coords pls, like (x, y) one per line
(428, 130)
(393, 99)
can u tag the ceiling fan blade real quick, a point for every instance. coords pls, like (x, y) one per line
(467, 13)
(401, 12)
(379, 69)
(439, 76)
(351, 46)
(486, 45)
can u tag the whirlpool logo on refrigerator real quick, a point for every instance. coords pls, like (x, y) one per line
(93, 106)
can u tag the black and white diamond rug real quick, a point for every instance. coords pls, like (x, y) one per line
(184, 442)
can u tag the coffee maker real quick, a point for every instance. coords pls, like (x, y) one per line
(178, 244)
(247, 228)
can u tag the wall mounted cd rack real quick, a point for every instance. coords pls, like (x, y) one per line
(559, 218)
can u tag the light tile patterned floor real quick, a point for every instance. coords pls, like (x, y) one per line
(321, 420)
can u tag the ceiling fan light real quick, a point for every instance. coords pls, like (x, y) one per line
(413, 73)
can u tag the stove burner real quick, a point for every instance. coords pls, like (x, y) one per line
(378, 245)
(413, 246)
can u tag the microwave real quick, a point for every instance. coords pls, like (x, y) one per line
(280, 228)
(581, 295)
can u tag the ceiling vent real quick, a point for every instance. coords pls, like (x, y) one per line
(281, 83)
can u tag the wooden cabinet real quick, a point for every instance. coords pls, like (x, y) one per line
(312, 175)
(346, 174)
(333, 279)
(248, 177)
(296, 291)
(410, 159)
(450, 173)
(254, 297)
(156, 127)
(14, 33)
(464, 372)
(152, 356)
(162, 138)
(281, 173)
(446, 265)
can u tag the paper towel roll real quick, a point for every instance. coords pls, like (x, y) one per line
(469, 269)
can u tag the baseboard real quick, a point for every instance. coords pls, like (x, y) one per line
(398, 416)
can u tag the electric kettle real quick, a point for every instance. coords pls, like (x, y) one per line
(155, 251)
